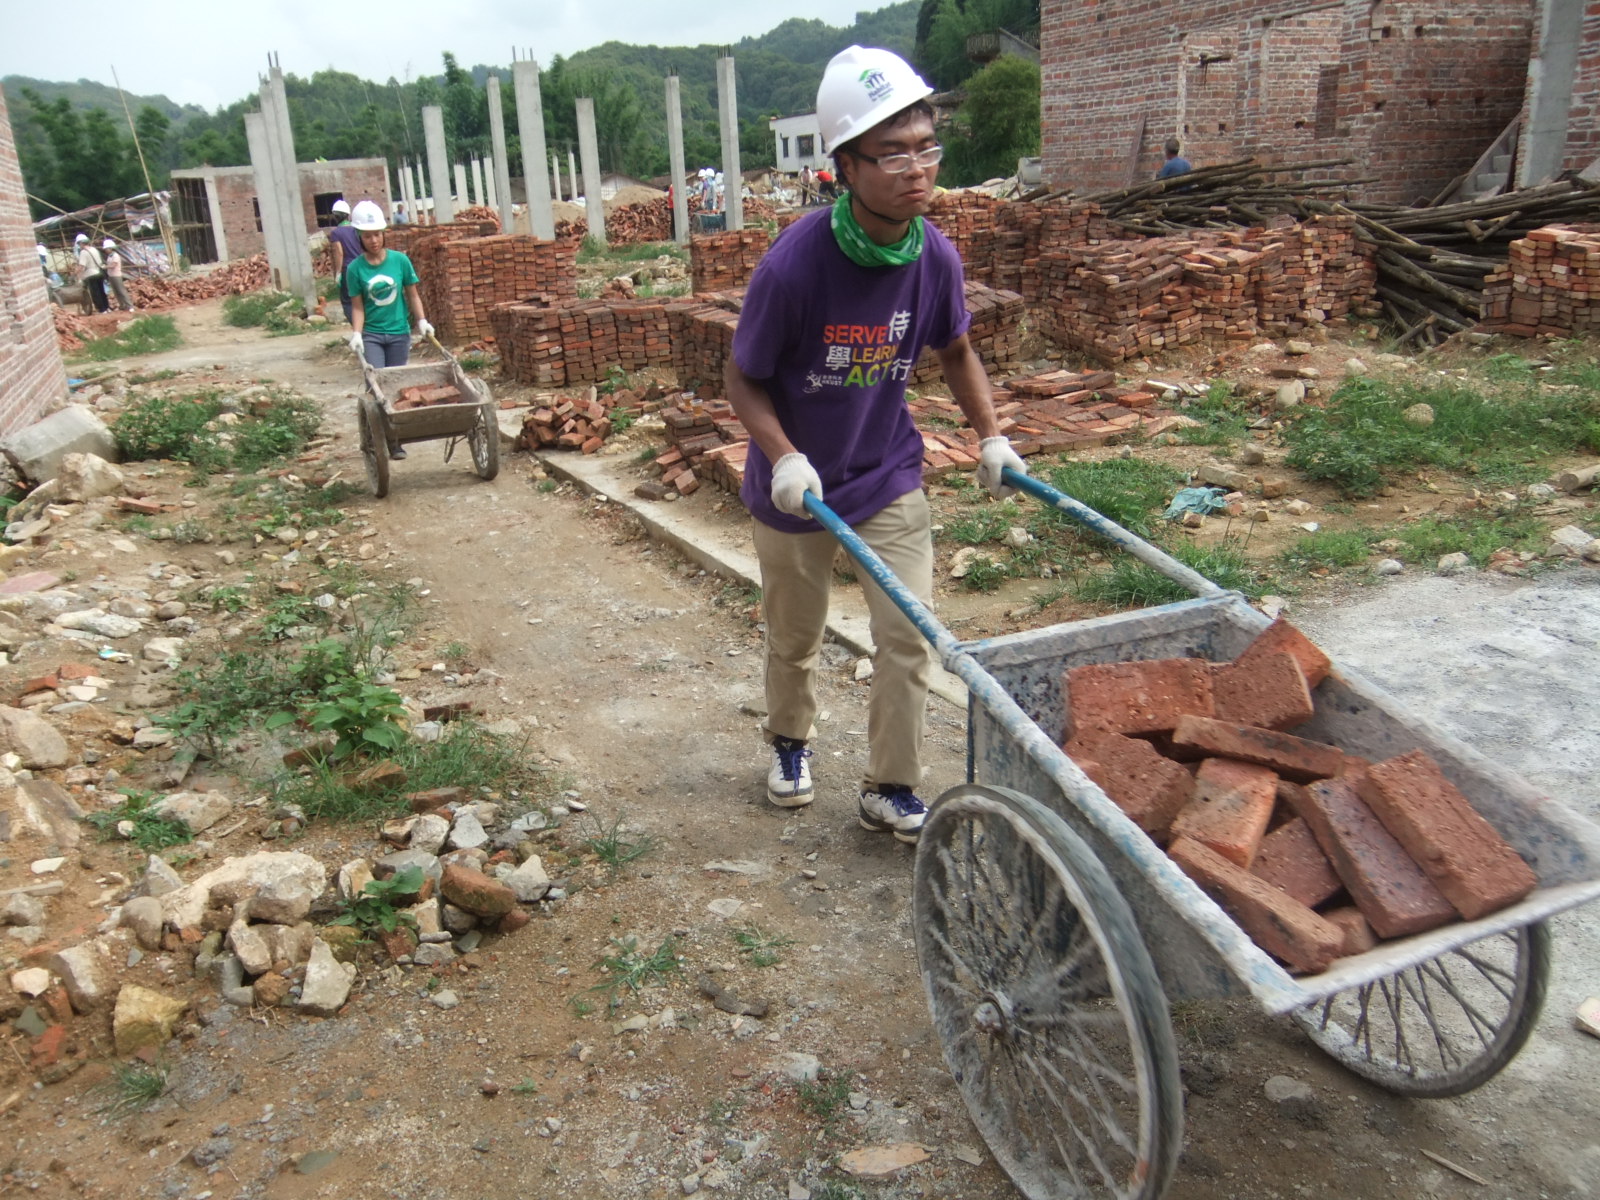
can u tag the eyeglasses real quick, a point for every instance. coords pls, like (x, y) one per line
(899, 164)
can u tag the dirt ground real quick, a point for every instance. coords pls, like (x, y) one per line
(636, 678)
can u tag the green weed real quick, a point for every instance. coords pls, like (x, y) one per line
(277, 312)
(142, 335)
(617, 847)
(374, 908)
(150, 832)
(826, 1098)
(762, 946)
(1427, 540)
(984, 575)
(364, 717)
(175, 427)
(526, 1088)
(144, 377)
(648, 454)
(548, 485)
(629, 966)
(1126, 490)
(1129, 583)
(133, 1087)
(987, 524)
(1225, 417)
(1329, 548)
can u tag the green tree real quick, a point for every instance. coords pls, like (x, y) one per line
(998, 124)
(943, 27)
(155, 139)
(84, 158)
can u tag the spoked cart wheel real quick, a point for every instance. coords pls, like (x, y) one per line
(1044, 998)
(374, 446)
(1444, 1027)
(484, 438)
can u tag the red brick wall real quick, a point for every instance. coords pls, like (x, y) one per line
(1583, 124)
(236, 194)
(32, 380)
(1417, 91)
(241, 225)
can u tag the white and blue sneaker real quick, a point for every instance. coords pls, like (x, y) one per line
(789, 780)
(890, 808)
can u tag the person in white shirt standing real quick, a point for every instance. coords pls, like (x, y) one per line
(113, 262)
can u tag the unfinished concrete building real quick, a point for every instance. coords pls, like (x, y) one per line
(217, 216)
(32, 380)
(1418, 95)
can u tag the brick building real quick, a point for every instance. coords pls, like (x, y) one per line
(32, 380)
(217, 217)
(1412, 93)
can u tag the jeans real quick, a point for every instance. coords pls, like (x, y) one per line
(796, 575)
(97, 292)
(387, 349)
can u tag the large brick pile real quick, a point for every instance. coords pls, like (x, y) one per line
(995, 332)
(462, 280)
(720, 262)
(1550, 284)
(702, 340)
(406, 238)
(1316, 853)
(1000, 241)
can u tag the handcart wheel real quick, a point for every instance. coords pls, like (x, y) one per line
(1045, 1000)
(484, 438)
(1445, 1026)
(374, 447)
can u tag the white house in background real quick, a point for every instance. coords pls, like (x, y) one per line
(798, 142)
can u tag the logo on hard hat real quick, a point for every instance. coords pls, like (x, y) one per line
(876, 83)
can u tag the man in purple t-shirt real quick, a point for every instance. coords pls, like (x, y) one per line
(835, 318)
(344, 243)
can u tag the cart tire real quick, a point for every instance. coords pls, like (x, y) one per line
(484, 438)
(1050, 1013)
(1445, 1026)
(374, 447)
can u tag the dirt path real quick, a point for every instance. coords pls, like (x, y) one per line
(630, 677)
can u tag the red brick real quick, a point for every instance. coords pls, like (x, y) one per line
(1358, 935)
(1283, 638)
(1231, 808)
(1298, 759)
(1277, 922)
(1389, 888)
(1137, 697)
(48, 1048)
(1267, 691)
(1461, 852)
(1291, 860)
(1151, 789)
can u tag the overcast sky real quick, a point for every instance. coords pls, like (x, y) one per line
(209, 52)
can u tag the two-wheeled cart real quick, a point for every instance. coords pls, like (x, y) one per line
(382, 426)
(1052, 932)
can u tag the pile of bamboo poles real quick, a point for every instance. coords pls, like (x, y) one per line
(1432, 262)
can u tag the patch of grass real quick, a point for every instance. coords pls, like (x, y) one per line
(616, 846)
(1128, 583)
(648, 454)
(277, 312)
(592, 251)
(143, 377)
(1500, 433)
(528, 1087)
(150, 832)
(142, 335)
(274, 431)
(762, 946)
(547, 486)
(835, 1189)
(175, 427)
(1225, 417)
(1128, 491)
(826, 1098)
(1427, 540)
(986, 524)
(630, 967)
(133, 1087)
(1329, 548)
(984, 575)
(622, 420)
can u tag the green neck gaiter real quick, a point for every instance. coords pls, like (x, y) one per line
(862, 250)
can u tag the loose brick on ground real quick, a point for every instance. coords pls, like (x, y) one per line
(1275, 921)
(1268, 691)
(1149, 788)
(1283, 638)
(1298, 759)
(1461, 852)
(1291, 860)
(1231, 808)
(1391, 890)
(1147, 696)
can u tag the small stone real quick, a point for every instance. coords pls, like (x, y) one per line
(1354, 366)
(529, 881)
(144, 1017)
(429, 832)
(1289, 395)
(30, 981)
(444, 999)
(1389, 566)
(1296, 347)
(83, 972)
(476, 892)
(272, 989)
(467, 833)
(22, 909)
(433, 954)
(1252, 455)
(878, 1162)
(196, 811)
(863, 671)
(1418, 414)
(1454, 564)
(327, 982)
(143, 916)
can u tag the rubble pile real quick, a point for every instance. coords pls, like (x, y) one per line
(480, 215)
(721, 262)
(705, 441)
(1549, 286)
(1315, 852)
(566, 423)
(159, 292)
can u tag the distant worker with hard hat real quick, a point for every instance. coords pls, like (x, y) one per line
(91, 271)
(113, 262)
(344, 243)
(835, 318)
(384, 298)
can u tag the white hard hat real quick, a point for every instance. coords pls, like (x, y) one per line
(41, 248)
(861, 87)
(368, 217)
(82, 237)
(341, 205)
(108, 244)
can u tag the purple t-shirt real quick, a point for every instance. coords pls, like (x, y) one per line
(350, 238)
(835, 344)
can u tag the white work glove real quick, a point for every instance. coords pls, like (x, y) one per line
(792, 477)
(424, 330)
(358, 343)
(994, 455)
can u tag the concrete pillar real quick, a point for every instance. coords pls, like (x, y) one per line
(594, 208)
(572, 176)
(280, 140)
(489, 190)
(555, 177)
(478, 190)
(444, 209)
(500, 180)
(219, 233)
(680, 201)
(1550, 75)
(530, 129)
(728, 114)
(267, 196)
(460, 172)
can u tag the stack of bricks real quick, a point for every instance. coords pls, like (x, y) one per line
(705, 442)
(1550, 285)
(1327, 271)
(529, 340)
(1316, 853)
(567, 423)
(1118, 299)
(1000, 242)
(406, 238)
(995, 333)
(702, 342)
(720, 262)
(582, 341)
(462, 280)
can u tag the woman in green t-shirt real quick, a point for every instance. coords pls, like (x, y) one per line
(383, 292)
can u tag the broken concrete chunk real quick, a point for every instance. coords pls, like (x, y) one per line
(327, 983)
(38, 450)
(84, 476)
(83, 971)
(32, 739)
(240, 878)
(196, 811)
(144, 1017)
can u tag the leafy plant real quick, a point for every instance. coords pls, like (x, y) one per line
(175, 427)
(622, 420)
(629, 966)
(984, 575)
(526, 1088)
(278, 312)
(827, 1098)
(616, 847)
(133, 1087)
(150, 831)
(362, 716)
(762, 947)
(374, 907)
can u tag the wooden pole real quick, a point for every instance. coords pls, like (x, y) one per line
(155, 205)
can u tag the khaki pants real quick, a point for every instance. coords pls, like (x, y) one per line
(796, 574)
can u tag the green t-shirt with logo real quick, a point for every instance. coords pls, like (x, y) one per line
(382, 291)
